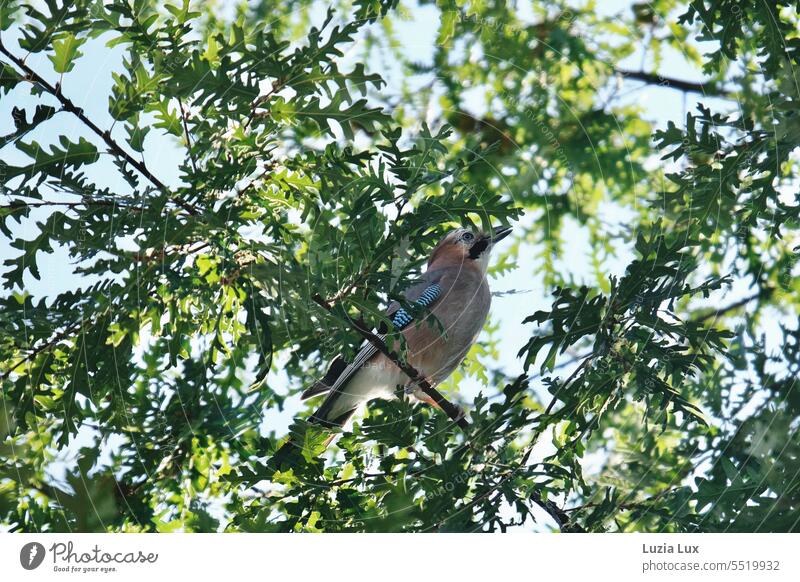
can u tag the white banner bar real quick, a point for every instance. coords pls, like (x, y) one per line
(444, 557)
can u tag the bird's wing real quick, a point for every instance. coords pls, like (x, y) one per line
(340, 373)
(338, 387)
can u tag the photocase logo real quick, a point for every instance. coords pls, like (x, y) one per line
(31, 555)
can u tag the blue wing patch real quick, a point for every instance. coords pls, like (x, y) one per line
(402, 318)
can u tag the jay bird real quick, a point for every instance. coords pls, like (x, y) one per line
(456, 295)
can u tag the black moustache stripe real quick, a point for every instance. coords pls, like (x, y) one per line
(478, 248)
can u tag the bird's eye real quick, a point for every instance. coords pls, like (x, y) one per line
(468, 237)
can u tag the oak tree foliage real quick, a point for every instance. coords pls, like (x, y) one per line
(168, 218)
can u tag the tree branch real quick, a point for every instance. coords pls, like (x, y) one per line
(709, 89)
(114, 147)
(558, 515)
(716, 313)
(19, 204)
(453, 411)
(623, 506)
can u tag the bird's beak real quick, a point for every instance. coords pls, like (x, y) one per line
(500, 233)
(487, 241)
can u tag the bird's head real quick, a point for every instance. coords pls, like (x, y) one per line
(467, 247)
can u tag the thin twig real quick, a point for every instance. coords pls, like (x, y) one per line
(188, 136)
(276, 86)
(625, 506)
(559, 516)
(567, 383)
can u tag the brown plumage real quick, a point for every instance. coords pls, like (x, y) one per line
(436, 344)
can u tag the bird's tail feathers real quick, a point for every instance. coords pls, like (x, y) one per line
(323, 415)
(335, 370)
(310, 438)
(340, 372)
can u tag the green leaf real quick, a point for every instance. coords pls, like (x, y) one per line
(66, 51)
(9, 78)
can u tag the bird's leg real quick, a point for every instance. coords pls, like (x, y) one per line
(422, 396)
(414, 389)
(330, 439)
(428, 400)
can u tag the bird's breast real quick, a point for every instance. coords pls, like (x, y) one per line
(442, 338)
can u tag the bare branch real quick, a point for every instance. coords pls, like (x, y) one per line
(716, 313)
(708, 89)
